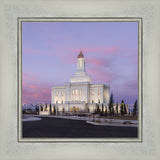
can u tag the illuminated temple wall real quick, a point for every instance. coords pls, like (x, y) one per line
(80, 93)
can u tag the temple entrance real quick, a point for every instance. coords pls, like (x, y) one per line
(74, 109)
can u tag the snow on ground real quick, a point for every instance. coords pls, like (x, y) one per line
(111, 124)
(31, 119)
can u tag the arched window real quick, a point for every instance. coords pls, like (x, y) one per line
(92, 101)
(62, 93)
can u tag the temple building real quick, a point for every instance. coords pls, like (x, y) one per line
(80, 94)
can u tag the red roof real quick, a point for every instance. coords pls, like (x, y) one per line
(80, 55)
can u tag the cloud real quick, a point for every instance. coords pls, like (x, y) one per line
(101, 68)
(33, 93)
(33, 90)
(96, 61)
(72, 53)
(99, 50)
(28, 77)
(99, 75)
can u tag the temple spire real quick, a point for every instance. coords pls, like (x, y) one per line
(81, 74)
(80, 55)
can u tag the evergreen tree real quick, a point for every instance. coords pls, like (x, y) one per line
(23, 111)
(102, 110)
(37, 109)
(113, 111)
(54, 109)
(117, 108)
(122, 104)
(105, 113)
(135, 108)
(111, 101)
(50, 108)
(45, 106)
(41, 108)
(125, 110)
(98, 110)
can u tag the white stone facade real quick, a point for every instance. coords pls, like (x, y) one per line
(80, 94)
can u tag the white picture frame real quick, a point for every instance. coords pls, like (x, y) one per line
(11, 148)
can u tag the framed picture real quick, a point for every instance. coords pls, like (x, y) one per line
(88, 111)
(85, 54)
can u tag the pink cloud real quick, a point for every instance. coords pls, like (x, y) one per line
(71, 54)
(28, 77)
(34, 90)
(96, 61)
(99, 75)
(68, 59)
(36, 93)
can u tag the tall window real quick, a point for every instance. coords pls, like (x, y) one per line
(80, 63)
(56, 93)
(92, 101)
(80, 92)
(62, 93)
(73, 92)
(99, 91)
(76, 92)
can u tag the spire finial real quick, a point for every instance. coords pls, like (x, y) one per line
(80, 54)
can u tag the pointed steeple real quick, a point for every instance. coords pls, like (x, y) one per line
(81, 74)
(80, 55)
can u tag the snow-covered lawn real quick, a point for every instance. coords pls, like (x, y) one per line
(110, 123)
(31, 119)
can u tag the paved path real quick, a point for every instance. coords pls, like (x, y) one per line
(65, 128)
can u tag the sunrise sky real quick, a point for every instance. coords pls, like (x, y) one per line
(50, 49)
